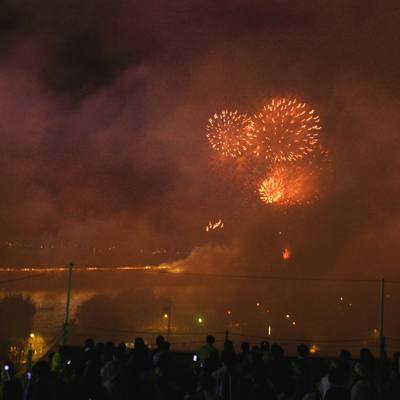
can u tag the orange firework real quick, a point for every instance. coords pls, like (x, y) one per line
(276, 153)
(272, 189)
(286, 254)
(285, 130)
(231, 133)
(285, 185)
(211, 226)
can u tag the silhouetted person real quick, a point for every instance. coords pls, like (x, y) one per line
(302, 372)
(345, 356)
(264, 348)
(338, 393)
(115, 375)
(159, 342)
(245, 359)
(257, 356)
(189, 384)
(277, 367)
(11, 387)
(122, 346)
(100, 347)
(395, 363)
(139, 357)
(229, 382)
(205, 351)
(228, 345)
(168, 384)
(360, 383)
(43, 384)
(164, 349)
(262, 389)
(335, 377)
(212, 363)
(368, 360)
(108, 352)
(207, 387)
(90, 354)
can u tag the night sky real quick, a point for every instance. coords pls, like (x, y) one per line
(104, 155)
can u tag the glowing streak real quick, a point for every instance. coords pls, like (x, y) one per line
(211, 226)
(147, 267)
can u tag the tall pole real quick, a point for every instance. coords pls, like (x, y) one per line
(382, 338)
(169, 320)
(65, 325)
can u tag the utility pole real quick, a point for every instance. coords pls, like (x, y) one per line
(65, 324)
(169, 320)
(382, 338)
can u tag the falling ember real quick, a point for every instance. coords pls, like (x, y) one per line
(211, 226)
(285, 130)
(231, 133)
(286, 254)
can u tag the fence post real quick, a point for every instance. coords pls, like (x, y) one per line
(382, 338)
(169, 320)
(65, 325)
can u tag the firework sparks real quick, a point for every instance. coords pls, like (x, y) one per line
(285, 130)
(272, 189)
(285, 185)
(211, 226)
(276, 153)
(231, 133)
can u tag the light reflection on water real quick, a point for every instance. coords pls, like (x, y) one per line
(319, 309)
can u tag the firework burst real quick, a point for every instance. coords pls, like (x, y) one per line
(285, 130)
(284, 185)
(276, 154)
(231, 133)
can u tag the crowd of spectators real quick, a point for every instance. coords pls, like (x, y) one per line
(105, 371)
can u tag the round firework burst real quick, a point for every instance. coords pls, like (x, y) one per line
(271, 189)
(285, 185)
(231, 133)
(285, 130)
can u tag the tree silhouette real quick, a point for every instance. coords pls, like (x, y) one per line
(16, 321)
(128, 311)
